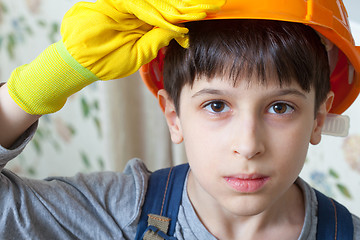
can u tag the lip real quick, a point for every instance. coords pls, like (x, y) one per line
(247, 183)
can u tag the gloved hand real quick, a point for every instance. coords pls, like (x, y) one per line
(105, 40)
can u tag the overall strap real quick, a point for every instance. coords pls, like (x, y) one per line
(334, 220)
(162, 201)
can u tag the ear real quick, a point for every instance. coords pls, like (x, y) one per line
(172, 119)
(323, 110)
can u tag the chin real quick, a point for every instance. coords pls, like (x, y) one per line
(247, 207)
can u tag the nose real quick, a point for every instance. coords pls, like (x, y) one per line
(248, 137)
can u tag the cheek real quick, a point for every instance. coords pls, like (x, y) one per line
(291, 148)
(205, 138)
(204, 146)
(197, 143)
(295, 155)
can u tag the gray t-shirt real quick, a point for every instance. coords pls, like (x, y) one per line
(104, 205)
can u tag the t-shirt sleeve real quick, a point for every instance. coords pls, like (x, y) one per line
(356, 221)
(103, 205)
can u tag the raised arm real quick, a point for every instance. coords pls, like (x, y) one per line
(13, 119)
(105, 40)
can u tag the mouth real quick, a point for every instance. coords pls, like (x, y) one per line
(245, 183)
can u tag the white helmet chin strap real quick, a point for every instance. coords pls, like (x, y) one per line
(336, 125)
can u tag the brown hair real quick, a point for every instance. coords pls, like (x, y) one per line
(243, 48)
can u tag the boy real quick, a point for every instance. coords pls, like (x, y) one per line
(245, 96)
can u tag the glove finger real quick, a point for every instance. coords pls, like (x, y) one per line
(198, 8)
(149, 45)
(183, 41)
(176, 18)
(164, 14)
(152, 16)
(218, 3)
(201, 6)
(186, 6)
(176, 10)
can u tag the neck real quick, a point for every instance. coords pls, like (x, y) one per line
(282, 220)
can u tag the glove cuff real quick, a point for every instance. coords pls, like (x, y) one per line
(44, 85)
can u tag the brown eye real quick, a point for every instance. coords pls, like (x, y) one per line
(281, 108)
(217, 107)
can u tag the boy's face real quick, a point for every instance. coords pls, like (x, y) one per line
(246, 145)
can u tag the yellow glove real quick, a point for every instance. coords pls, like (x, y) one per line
(105, 40)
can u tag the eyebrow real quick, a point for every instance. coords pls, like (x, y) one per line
(281, 92)
(290, 91)
(210, 91)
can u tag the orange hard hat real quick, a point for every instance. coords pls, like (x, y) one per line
(328, 17)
